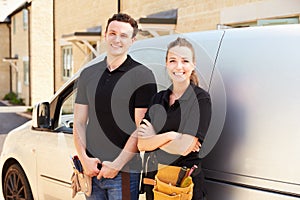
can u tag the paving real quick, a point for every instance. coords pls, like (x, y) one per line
(7, 108)
(9, 121)
(10, 118)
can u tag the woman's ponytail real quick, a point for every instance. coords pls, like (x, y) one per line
(194, 78)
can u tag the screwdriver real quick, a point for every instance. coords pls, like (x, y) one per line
(188, 180)
(181, 175)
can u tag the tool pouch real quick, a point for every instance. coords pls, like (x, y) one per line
(165, 181)
(81, 183)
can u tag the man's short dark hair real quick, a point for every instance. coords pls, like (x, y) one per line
(122, 17)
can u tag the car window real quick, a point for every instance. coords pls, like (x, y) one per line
(65, 121)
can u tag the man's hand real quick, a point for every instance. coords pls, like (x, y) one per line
(146, 129)
(90, 166)
(108, 170)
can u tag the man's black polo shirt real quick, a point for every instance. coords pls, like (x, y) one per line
(190, 114)
(112, 98)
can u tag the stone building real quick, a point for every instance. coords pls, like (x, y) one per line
(5, 69)
(63, 35)
(30, 52)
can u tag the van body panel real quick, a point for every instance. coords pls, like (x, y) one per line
(259, 144)
(223, 191)
(152, 53)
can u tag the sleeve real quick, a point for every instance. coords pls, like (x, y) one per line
(81, 97)
(147, 90)
(205, 117)
(198, 118)
(147, 114)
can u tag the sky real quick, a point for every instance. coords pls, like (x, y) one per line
(8, 6)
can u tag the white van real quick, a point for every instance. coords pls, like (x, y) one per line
(251, 150)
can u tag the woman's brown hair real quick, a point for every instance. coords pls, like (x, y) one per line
(182, 42)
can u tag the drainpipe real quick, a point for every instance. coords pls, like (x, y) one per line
(119, 6)
(10, 53)
(54, 45)
(29, 56)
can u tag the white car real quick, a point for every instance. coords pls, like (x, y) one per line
(252, 147)
(35, 160)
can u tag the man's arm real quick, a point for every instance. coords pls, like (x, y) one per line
(79, 135)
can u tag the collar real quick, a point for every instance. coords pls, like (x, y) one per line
(186, 95)
(125, 66)
(188, 92)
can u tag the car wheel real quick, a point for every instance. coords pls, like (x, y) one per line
(16, 186)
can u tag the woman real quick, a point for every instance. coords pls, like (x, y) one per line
(177, 119)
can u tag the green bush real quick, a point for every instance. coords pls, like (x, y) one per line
(17, 101)
(13, 99)
(10, 96)
(29, 110)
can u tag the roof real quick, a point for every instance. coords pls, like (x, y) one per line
(165, 17)
(157, 23)
(91, 34)
(7, 7)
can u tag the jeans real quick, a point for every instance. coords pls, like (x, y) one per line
(111, 189)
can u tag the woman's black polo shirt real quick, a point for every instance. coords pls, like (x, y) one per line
(112, 98)
(190, 114)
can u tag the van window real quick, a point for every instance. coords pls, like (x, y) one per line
(66, 116)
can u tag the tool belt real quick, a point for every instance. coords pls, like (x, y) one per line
(165, 184)
(81, 183)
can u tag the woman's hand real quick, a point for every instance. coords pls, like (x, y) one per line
(197, 147)
(146, 129)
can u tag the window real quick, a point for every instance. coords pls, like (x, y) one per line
(67, 61)
(66, 115)
(68, 105)
(268, 22)
(26, 72)
(25, 19)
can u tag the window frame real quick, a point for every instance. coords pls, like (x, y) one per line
(26, 72)
(25, 19)
(67, 61)
(58, 103)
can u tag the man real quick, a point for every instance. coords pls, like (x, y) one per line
(112, 98)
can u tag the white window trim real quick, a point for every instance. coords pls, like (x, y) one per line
(26, 72)
(67, 61)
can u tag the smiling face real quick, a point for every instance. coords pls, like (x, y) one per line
(180, 64)
(118, 38)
